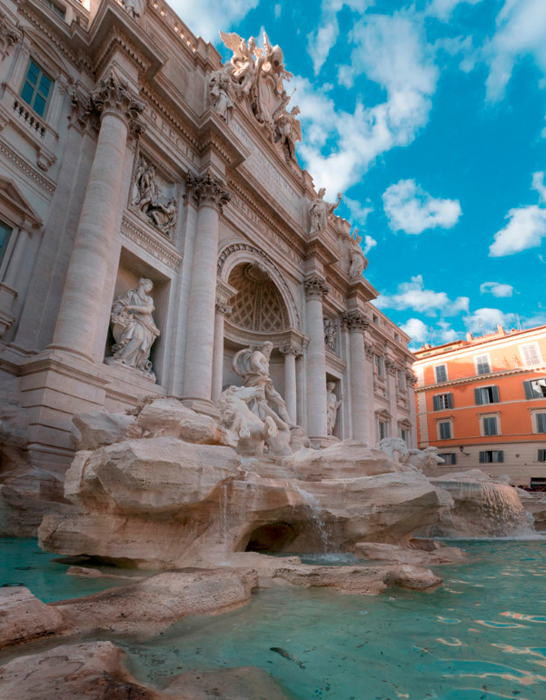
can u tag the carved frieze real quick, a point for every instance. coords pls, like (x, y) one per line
(153, 197)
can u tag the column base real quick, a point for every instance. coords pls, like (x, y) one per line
(320, 442)
(201, 406)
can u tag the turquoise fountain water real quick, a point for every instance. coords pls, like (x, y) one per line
(482, 636)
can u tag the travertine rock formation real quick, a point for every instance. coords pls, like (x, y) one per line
(390, 553)
(24, 618)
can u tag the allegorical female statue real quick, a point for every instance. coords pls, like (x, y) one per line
(332, 405)
(319, 211)
(134, 328)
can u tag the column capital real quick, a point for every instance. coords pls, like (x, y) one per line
(391, 366)
(291, 349)
(355, 322)
(370, 350)
(316, 288)
(222, 307)
(411, 378)
(206, 190)
(113, 96)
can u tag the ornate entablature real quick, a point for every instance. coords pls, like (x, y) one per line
(256, 76)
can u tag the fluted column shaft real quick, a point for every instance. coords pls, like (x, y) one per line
(290, 353)
(356, 324)
(81, 304)
(315, 290)
(222, 310)
(209, 195)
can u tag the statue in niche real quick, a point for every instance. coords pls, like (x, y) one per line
(133, 328)
(332, 406)
(330, 333)
(252, 364)
(134, 7)
(289, 132)
(319, 211)
(160, 213)
(358, 262)
(219, 91)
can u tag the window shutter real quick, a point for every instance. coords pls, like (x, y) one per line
(483, 457)
(449, 400)
(529, 393)
(436, 402)
(541, 422)
(495, 394)
(478, 397)
(542, 455)
(500, 456)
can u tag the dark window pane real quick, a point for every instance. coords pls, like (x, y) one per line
(5, 232)
(27, 93)
(33, 73)
(39, 105)
(45, 84)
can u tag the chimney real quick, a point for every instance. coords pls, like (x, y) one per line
(469, 336)
(500, 330)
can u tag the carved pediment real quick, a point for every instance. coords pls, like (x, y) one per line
(16, 206)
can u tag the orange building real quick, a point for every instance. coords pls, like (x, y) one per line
(482, 402)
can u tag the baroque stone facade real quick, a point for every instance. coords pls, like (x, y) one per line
(154, 222)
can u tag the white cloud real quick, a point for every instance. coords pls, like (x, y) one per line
(207, 17)
(526, 226)
(278, 10)
(446, 332)
(369, 243)
(412, 210)
(321, 41)
(497, 289)
(521, 28)
(413, 295)
(486, 320)
(443, 9)
(417, 330)
(391, 51)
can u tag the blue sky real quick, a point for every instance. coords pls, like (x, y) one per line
(429, 116)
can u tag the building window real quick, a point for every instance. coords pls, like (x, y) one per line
(449, 457)
(531, 354)
(404, 434)
(541, 456)
(489, 425)
(383, 430)
(483, 365)
(5, 233)
(36, 89)
(444, 430)
(540, 422)
(57, 9)
(490, 456)
(442, 401)
(486, 394)
(441, 373)
(535, 389)
(379, 366)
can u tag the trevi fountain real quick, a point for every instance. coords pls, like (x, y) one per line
(204, 422)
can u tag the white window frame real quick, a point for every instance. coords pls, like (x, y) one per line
(443, 364)
(537, 348)
(485, 354)
(534, 421)
(483, 416)
(445, 408)
(445, 420)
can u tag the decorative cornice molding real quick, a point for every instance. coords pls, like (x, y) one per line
(206, 190)
(480, 378)
(155, 243)
(48, 185)
(316, 288)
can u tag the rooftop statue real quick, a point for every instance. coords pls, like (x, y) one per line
(319, 211)
(258, 75)
(358, 262)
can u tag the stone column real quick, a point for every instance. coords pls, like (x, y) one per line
(392, 382)
(209, 194)
(411, 381)
(356, 324)
(315, 290)
(81, 305)
(222, 310)
(370, 407)
(290, 353)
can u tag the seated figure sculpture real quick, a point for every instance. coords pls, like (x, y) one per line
(252, 364)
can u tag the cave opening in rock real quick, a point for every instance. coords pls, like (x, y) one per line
(273, 538)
